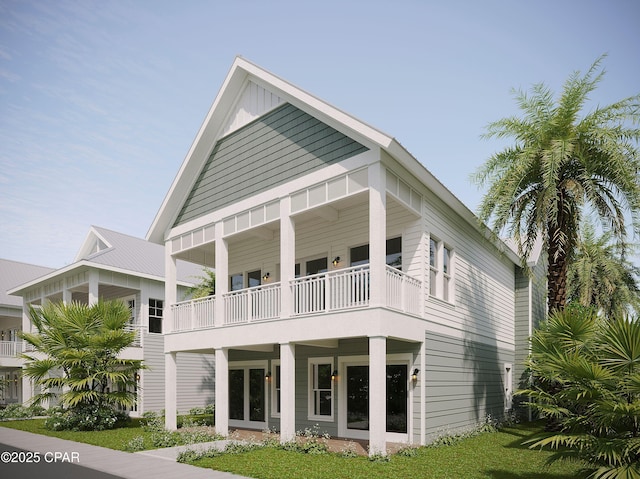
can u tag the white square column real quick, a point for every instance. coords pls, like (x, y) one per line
(287, 392)
(377, 234)
(377, 395)
(222, 391)
(170, 391)
(287, 257)
(170, 288)
(222, 273)
(93, 287)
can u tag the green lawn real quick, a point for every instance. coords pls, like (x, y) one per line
(112, 439)
(489, 456)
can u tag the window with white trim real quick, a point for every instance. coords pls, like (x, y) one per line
(275, 388)
(320, 389)
(155, 315)
(440, 270)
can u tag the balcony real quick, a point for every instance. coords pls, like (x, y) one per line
(322, 293)
(10, 349)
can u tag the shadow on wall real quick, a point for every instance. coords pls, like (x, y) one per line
(482, 358)
(208, 382)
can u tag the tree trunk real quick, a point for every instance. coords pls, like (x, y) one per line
(556, 276)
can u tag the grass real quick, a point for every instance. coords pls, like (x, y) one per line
(499, 455)
(112, 439)
(486, 456)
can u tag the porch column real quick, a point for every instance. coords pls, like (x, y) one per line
(377, 234)
(377, 395)
(67, 296)
(27, 386)
(423, 394)
(287, 392)
(170, 391)
(27, 390)
(287, 257)
(170, 288)
(222, 391)
(93, 287)
(222, 273)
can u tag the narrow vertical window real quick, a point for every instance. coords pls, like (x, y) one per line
(433, 266)
(155, 315)
(321, 389)
(446, 273)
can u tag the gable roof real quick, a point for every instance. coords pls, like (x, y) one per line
(13, 273)
(235, 105)
(110, 250)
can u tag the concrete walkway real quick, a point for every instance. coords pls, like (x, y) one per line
(158, 464)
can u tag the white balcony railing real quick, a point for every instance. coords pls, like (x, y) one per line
(343, 289)
(403, 291)
(138, 329)
(252, 304)
(10, 349)
(194, 314)
(347, 288)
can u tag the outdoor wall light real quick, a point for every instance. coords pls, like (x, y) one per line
(268, 376)
(414, 375)
(334, 375)
(336, 261)
(137, 377)
(266, 276)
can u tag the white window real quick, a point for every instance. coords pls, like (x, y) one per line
(440, 270)
(321, 389)
(275, 388)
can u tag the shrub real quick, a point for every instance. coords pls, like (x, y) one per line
(85, 418)
(18, 411)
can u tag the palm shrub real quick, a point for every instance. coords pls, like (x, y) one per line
(586, 382)
(76, 360)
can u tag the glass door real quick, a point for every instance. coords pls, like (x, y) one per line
(247, 396)
(357, 400)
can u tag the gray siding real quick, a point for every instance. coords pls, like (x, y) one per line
(464, 383)
(282, 145)
(195, 377)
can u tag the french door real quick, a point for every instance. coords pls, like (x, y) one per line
(247, 396)
(354, 417)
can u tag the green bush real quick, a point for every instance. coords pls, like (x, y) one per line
(18, 411)
(85, 418)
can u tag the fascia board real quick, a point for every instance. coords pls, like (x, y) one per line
(197, 155)
(18, 290)
(209, 132)
(397, 151)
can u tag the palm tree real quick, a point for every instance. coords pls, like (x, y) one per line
(586, 382)
(601, 276)
(77, 359)
(206, 285)
(561, 165)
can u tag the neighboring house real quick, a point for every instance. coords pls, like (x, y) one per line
(355, 292)
(112, 265)
(13, 273)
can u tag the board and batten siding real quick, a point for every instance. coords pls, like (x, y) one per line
(464, 383)
(284, 144)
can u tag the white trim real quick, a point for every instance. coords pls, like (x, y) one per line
(246, 366)
(311, 362)
(363, 360)
(275, 363)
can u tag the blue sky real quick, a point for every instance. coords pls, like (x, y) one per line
(100, 100)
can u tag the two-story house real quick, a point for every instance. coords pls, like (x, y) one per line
(13, 273)
(354, 291)
(111, 265)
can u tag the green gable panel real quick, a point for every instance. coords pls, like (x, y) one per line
(280, 146)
